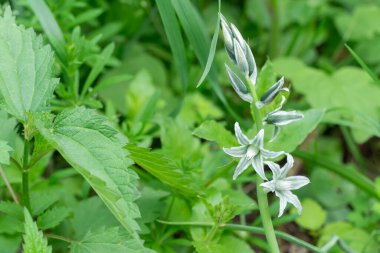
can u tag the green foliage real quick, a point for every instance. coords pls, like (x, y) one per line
(313, 216)
(26, 83)
(34, 242)
(4, 152)
(214, 131)
(52, 217)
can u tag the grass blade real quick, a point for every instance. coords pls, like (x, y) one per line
(50, 26)
(363, 65)
(175, 39)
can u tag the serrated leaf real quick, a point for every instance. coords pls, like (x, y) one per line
(88, 142)
(214, 131)
(164, 169)
(26, 64)
(52, 217)
(34, 242)
(4, 152)
(107, 240)
(12, 209)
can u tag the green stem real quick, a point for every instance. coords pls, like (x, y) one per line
(261, 195)
(275, 29)
(25, 176)
(252, 229)
(59, 237)
(353, 148)
(353, 176)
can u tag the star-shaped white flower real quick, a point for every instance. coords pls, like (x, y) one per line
(282, 185)
(250, 152)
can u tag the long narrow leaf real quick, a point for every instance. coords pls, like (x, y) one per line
(175, 39)
(50, 26)
(211, 54)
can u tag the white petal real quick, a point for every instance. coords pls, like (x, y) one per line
(275, 133)
(242, 138)
(251, 64)
(275, 168)
(268, 186)
(239, 86)
(258, 166)
(271, 154)
(289, 164)
(294, 182)
(241, 167)
(240, 58)
(258, 141)
(227, 33)
(238, 36)
(236, 151)
(282, 118)
(293, 199)
(282, 205)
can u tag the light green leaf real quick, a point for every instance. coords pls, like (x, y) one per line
(107, 240)
(34, 242)
(164, 169)
(26, 78)
(4, 152)
(292, 135)
(9, 244)
(52, 217)
(214, 131)
(88, 142)
(313, 216)
(12, 209)
(175, 39)
(50, 26)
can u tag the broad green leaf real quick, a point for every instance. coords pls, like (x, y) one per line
(50, 26)
(34, 241)
(9, 244)
(214, 131)
(313, 216)
(292, 135)
(4, 152)
(233, 244)
(12, 209)
(107, 240)
(52, 217)
(195, 31)
(164, 169)
(42, 200)
(89, 144)
(26, 64)
(175, 39)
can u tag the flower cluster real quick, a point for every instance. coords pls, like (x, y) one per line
(252, 151)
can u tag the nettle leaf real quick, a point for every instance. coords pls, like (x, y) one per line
(214, 131)
(26, 64)
(53, 217)
(107, 240)
(89, 144)
(292, 135)
(164, 169)
(34, 242)
(4, 152)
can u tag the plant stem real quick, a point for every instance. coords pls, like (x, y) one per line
(25, 176)
(353, 148)
(252, 229)
(9, 186)
(59, 237)
(261, 195)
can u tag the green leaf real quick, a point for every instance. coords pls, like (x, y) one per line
(34, 242)
(164, 169)
(9, 244)
(107, 240)
(12, 209)
(195, 30)
(52, 217)
(175, 39)
(50, 26)
(26, 82)
(211, 53)
(292, 135)
(89, 144)
(214, 131)
(313, 216)
(101, 61)
(4, 152)
(42, 200)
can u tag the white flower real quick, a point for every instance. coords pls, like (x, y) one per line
(282, 185)
(250, 152)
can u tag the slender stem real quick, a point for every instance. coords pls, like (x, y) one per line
(352, 147)
(59, 237)
(252, 229)
(25, 176)
(9, 186)
(261, 195)
(275, 29)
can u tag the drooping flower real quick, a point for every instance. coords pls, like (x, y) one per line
(282, 185)
(271, 93)
(250, 152)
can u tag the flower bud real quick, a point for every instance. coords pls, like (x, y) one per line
(281, 118)
(272, 93)
(239, 86)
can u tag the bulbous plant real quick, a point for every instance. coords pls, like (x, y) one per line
(243, 75)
